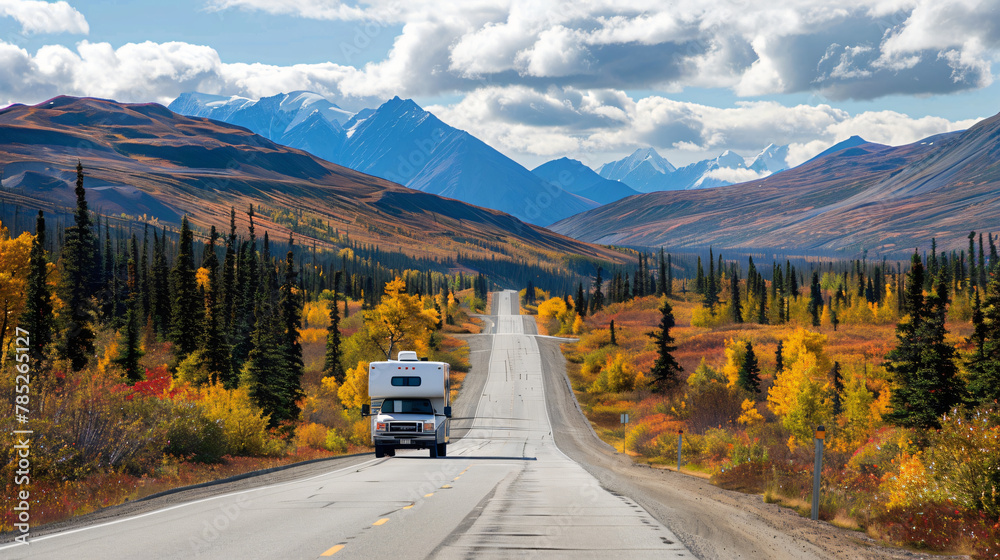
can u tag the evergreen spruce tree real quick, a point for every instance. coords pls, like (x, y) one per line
(247, 282)
(580, 304)
(779, 358)
(749, 373)
(129, 350)
(332, 364)
(815, 306)
(37, 315)
(666, 370)
(216, 352)
(838, 388)
(973, 273)
(159, 287)
(188, 308)
(78, 283)
(711, 285)
(922, 363)
(291, 318)
(699, 282)
(107, 295)
(982, 263)
(735, 305)
(611, 329)
(597, 300)
(762, 298)
(144, 287)
(984, 363)
(229, 293)
(661, 285)
(263, 373)
(670, 279)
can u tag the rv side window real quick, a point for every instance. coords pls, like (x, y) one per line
(405, 381)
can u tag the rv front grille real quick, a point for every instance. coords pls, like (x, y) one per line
(408, 427)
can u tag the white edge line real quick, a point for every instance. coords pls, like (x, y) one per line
(178, 506)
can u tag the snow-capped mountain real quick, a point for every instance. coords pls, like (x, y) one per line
(299, 119)
(581, 180)
(638, 169)
(641, 172)
(398, 141)
(771, 159)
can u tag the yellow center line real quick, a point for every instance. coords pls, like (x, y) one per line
(446, 486)
(333, 550)
(456, 478)
(408, 507)
(382, 521)
(428, 495)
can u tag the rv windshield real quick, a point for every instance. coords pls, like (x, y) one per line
(407, 406)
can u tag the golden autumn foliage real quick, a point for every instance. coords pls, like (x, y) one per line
(799, 394)
(243, 422)
(551, 308)
(618, 375)
(400, 318)
(750, 415)
(14, 255)
(354, 392)
(735, 352)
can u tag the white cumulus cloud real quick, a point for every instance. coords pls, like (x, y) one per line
(36, 16)
(860, 49)
(582, 123)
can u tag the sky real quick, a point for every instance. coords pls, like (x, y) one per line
(539, 79)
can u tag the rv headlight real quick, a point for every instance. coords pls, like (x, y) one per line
(380, 426)
(428, 426)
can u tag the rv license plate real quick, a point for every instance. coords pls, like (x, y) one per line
(405, 441)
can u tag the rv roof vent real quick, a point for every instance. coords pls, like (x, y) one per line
(408, 356)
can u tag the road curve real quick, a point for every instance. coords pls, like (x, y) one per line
(504, 490)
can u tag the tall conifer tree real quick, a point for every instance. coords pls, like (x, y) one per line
(188, 309)
(332, 364)
(748, 377)
(129, 350)
(984, 363)
(291, 318)
(666, 371)
(78, 283)
(216, 351)
(922, 363)
(37, 315)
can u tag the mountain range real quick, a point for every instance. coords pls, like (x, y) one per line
(647, 171)
(577, 178)
(398, 141)
(856, 197)
(151, 164)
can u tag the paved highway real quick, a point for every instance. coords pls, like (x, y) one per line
(504, 490)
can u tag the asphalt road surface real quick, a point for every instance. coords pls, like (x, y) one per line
(504, 490)
(525, 477)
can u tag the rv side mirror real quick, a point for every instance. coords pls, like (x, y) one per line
(447, 412)
(365, 410)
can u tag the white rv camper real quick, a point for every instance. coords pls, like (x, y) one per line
(410, 405)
